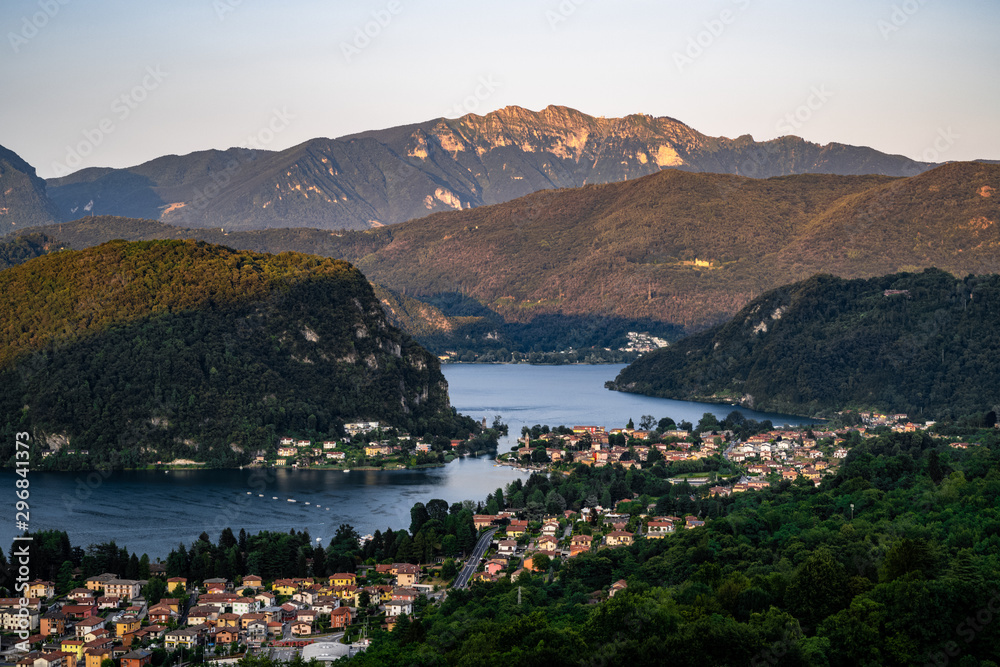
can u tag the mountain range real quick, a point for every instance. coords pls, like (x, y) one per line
(679, 248)
(388, 176)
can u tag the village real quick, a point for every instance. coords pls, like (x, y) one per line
(109, 622)
(216, 621)
(365, 447)
(806, 453)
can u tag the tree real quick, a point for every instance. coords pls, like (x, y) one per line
(646, 422)
(555, 503)
(418, 517)
(708, 423)
(437, 509)
(227, 539)
(630, 424)
(934, 469)
(818, 588)
(64, 580)
(540, 562)
(665, 424)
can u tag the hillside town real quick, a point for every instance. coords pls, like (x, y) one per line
(108, 620)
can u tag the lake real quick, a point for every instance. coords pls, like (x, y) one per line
(569, 395)
(152, 512)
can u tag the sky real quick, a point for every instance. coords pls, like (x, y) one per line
(87, 83)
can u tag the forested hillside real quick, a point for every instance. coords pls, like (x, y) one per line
(924, 344)
(139, 352)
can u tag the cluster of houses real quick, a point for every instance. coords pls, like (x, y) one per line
(642, 342)
(590, 445)
(294, 452)
(565, 536)
(109, 620)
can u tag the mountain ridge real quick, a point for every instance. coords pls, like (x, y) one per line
(681, 248)
(387, 176)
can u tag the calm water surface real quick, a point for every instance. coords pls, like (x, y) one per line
(152, 512)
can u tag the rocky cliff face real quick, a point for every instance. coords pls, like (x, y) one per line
(23, 202)
(388, 176)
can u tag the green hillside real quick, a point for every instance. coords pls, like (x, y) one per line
(148, 351)
(924, 344)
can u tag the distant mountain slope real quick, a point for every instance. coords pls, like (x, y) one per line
(393, 175)
(149, 351)
(675, 247)
(926, 344)
(17, 250)
(23, 201)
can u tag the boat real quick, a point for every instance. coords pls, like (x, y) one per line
(347, 470)
(291, 500)
(307, 502)
(274, 497)
(261, 495)
(249, 493)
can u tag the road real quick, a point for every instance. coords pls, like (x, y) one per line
(462, 580)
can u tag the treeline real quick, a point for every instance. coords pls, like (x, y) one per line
(53, 558)
(923, 344)
(201, 352)
(785, 576)
(436, 530)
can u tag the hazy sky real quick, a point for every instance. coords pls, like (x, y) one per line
(117, 82)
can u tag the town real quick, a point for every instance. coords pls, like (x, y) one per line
(109, 620)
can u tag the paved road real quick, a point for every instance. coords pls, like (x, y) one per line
(462, 580)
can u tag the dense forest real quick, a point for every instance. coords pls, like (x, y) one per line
(203, 353)
(16, 250)
(923, 344)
